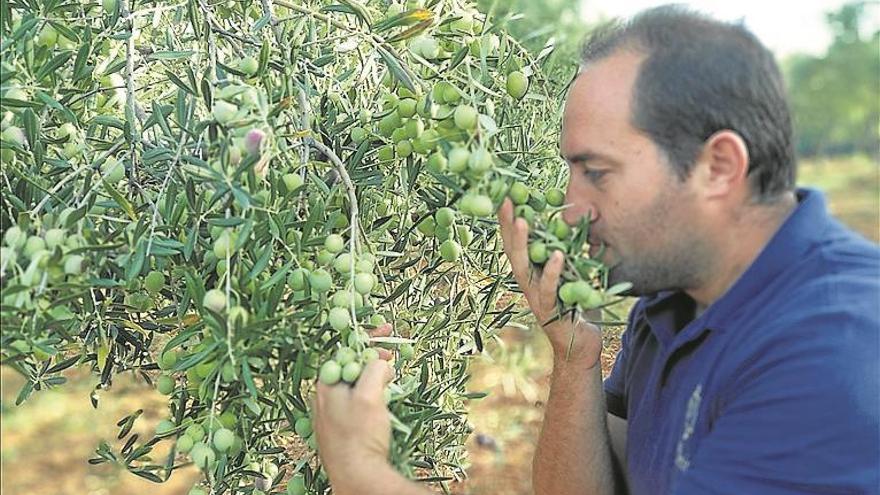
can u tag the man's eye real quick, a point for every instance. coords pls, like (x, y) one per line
(594, 175)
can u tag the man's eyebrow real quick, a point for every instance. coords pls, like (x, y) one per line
(588, 156)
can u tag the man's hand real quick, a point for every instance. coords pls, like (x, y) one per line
(353, 429)
(540, 290)
(353, 426)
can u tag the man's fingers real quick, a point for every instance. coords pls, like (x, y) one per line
(548, 284)
(515, 235)
(383, 330)
(505, 221)
(317, 402)
(371, 383)
(329, 396)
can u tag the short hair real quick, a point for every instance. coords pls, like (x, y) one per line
(700, 76)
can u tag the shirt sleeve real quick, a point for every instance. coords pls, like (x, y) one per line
(802, 416)
(615, 384)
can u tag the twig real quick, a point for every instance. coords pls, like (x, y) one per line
(215, 27)
(131, 115)
(372, 38)
(353, 209)
(267, 12)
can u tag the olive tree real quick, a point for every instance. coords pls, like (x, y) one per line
(222, 198)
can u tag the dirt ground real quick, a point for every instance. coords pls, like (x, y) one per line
(45, 443)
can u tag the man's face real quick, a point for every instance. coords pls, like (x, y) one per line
(644, 216)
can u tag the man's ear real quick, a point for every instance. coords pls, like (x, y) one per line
(723, 165)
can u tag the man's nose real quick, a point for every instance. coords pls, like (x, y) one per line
(579, 207)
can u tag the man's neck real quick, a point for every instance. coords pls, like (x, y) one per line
(739, 247)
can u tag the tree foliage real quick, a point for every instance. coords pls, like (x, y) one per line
(835, 97)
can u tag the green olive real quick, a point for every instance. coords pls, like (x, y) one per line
(330, 373)
(112, 170)
(480, 161)
(358, 134)
(538, 252)
(165, 385)
(517, 84)
(450, 250)
(320, 280)
(342, 263)
(525, 211)
(215, 300)
(167, 360)
(364, 282)
(298, 279)
(406, 107)
(202, 456)
(351, 372)
(224, 112)
(303, 427)
(465, 235)
(407, 351)
(334, 243)
(223, 439)
(292, 181)
(403, 148)
(519, 193)
(345, 355)
(296, 485)
(414, 128)
(465, 117)
(427, 226)
(154, 281)
(385, 153)
(164, 427)
(54, 238)
(555, 196)
(458, 159)
(477, 205)
(325, 257)
(195, 431)
(73, 264)
(445, 216)
(249, 65)
(185, 444)
(437, 163)
(339, 319)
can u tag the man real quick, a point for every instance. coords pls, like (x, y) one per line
(750, 362)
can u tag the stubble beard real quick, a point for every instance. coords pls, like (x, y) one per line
(673, 256)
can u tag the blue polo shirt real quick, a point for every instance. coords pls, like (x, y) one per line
(774, 388)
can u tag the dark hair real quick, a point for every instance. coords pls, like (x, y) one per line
(700, 76)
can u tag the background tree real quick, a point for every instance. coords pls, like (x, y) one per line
(834, 96)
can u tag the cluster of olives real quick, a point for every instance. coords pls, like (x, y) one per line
(203, 442)
(241, 109)
(549, 232)
(346, 365)
(444, 126)
(452, 237)
(32, 258)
